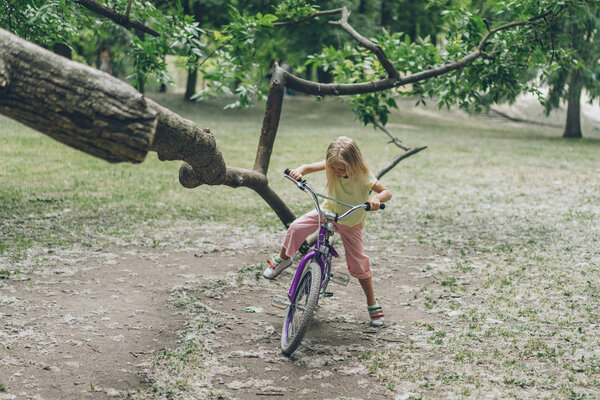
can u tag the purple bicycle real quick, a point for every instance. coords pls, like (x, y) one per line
(313, 274)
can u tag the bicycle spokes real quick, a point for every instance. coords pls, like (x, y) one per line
(301, 309)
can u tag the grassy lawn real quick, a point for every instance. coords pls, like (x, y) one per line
(511, 210)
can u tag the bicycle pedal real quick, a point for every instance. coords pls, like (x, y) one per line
(280, 302)
(340, 279)
(328, 294)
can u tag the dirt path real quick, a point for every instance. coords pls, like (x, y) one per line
(136, 321)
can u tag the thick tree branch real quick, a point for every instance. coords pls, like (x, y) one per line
(270, 121)
(434, 72)
(239, 177)
(338, 89)
(4, 76)
(77, 105)
(119, 19)
(180, 139)
(366, 43)
(256, 178)
(97, 113)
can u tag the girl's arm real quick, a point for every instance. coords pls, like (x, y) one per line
(307, 169)
(382, 195)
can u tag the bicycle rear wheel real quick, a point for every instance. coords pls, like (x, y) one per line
(301, 309)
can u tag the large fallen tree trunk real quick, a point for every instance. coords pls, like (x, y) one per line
(76, 105)
(95, 112)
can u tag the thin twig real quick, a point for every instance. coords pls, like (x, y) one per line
(525, 121)
(211, 54)
(395, 140)
(398, 159)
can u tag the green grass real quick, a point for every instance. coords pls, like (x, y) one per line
(45, 182)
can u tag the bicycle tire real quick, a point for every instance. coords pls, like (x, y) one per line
(299, 315)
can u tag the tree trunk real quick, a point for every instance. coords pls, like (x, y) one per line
(308, 73)
(362, 6)
(573, 126)
(102, 116)
(190, 88)
(323, 76)
(386, 15)
(413, 30)
(97, 113)
(74, 104)
(141, 86)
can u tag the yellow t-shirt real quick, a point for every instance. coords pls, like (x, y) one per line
(353, 190)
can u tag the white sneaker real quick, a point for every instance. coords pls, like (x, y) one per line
(276, 266)
(376, 314)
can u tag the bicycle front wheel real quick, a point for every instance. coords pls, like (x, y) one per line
(302, 309)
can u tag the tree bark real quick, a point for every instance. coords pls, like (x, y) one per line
(180, 139)
(573, 125)
(96, 113)
(79, 106)
(255, 179)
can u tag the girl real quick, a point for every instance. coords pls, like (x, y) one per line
(350, 181)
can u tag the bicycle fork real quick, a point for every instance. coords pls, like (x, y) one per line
(325, 254)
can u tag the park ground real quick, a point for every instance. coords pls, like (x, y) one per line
(116, 282)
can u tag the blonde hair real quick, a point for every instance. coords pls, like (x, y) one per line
(344, 150)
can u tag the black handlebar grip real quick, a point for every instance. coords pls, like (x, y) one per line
(368, 206)
(287, 171)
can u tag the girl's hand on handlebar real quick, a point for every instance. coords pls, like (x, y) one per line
(375, 203)
(296, 174)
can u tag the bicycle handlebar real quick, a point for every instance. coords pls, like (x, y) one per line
(302, 185)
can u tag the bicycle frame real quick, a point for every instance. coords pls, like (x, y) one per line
(322, 254)
(323, 251)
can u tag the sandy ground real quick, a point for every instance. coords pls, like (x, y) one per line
(116, 322)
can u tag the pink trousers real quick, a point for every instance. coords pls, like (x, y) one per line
(357, 261)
